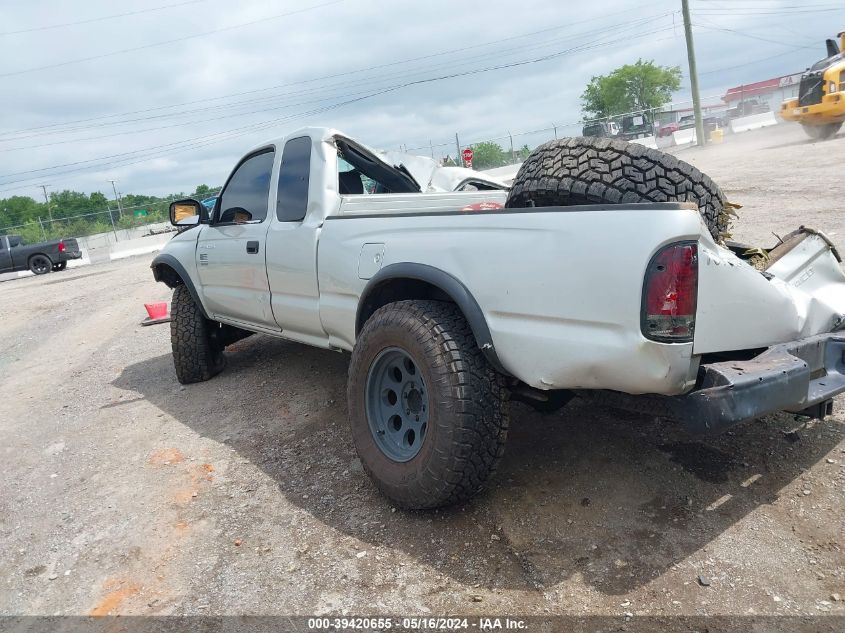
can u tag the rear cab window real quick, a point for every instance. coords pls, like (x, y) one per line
(294, 178)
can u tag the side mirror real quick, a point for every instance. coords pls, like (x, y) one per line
(188, 212)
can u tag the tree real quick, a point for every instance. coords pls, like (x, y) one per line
(630, 88)
(524, 152)
(202, 190)
(487, 154)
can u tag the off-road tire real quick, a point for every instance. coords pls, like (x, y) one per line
(60, 266)
(821, 132)
(467, 405)
(196, 355)
(40, 264)
(575, 171)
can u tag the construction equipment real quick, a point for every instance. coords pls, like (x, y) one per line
(820, 106)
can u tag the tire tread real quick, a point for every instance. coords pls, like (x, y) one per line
(585, 170)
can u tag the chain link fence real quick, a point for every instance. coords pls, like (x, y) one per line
(118, 224)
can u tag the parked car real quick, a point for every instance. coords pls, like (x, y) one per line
(40, 258)
(601, 129)
(454, 302)
(748, 107)
(686, 122)
(635, 126)
(667, 129)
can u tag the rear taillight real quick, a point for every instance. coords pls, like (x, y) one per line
(669, 294)
(61, 247)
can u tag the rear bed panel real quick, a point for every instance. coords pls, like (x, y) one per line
(560, 287)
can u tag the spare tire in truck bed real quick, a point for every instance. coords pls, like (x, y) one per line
(576, 171)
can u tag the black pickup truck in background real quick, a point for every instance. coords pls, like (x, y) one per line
(40, 258)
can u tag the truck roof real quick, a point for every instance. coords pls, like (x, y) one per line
(431, 176)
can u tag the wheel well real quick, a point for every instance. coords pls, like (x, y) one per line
(392, 290)
(29, 259)
(167, 275)
(417, 281)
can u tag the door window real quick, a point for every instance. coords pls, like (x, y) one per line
(246, 196)
(294, 175)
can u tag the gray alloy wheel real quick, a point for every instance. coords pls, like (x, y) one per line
(40, 264)
(397, 410)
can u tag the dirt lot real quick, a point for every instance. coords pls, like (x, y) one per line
(123, 492)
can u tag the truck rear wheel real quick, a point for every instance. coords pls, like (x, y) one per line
(40, 264)
(575, 171)
(428, 413)
(59, 267)
(197, 356)
(821, 132)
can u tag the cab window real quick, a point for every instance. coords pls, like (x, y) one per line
(246, 196)
(294, 177)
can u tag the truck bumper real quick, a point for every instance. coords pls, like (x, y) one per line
(830, 110)
(801, 377)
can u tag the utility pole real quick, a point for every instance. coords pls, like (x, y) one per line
(458, 145)
(113, 229)
(693, 76)
(47, 200)
(117, 197)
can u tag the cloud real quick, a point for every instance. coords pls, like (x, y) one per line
(294, 71)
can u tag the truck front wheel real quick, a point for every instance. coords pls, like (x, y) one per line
(428, 413)
(197, 355)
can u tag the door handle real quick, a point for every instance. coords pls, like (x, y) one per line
(252, 247)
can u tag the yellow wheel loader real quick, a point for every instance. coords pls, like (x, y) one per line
(820, 106)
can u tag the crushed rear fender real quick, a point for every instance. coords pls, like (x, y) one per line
(801, 293)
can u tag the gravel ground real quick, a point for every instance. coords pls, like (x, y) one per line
(123, 492)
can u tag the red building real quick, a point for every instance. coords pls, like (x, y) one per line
(772, 91)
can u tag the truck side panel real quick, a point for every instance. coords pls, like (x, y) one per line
(560, 288)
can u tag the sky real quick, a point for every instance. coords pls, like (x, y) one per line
(162, 95)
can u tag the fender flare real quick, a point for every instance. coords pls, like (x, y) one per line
(168, 260)
(449, 285)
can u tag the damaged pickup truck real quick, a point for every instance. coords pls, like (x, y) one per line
(602, 272)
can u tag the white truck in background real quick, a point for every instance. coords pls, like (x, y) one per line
(600, 271)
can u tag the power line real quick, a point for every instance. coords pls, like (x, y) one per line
(380, 79)
(205, 140)
(453, 51)
(100, 19)
(173, 41)
(756, 61)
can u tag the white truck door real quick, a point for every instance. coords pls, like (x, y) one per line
(231, 250)
(292, 248)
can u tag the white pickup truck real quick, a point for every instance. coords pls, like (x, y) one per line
(599, 272)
